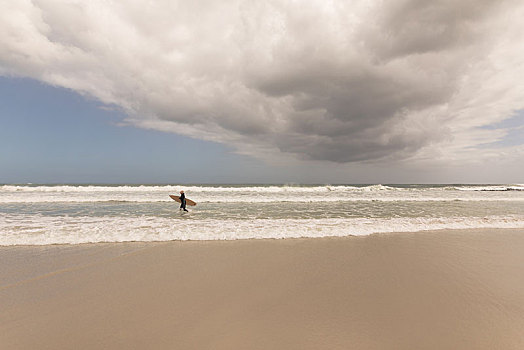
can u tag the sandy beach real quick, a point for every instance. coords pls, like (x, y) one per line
(430, 290)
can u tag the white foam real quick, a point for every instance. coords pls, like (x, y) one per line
(253, 194)
(498, 188)
(177, 188)
(250, 189)
(18, 229)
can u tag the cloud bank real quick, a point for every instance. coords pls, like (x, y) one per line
(318, 80)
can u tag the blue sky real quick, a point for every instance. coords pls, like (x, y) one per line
(54, 135)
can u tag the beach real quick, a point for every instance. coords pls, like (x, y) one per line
(262, 175)
(443, 289)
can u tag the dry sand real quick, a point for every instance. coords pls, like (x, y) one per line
(431, 290)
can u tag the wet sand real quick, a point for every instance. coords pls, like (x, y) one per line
(430, 290)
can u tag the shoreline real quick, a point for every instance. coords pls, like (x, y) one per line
(350, 236)
(433, 290)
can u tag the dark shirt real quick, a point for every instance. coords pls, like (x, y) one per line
(183, 199)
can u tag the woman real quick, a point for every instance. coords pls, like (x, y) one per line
(182, 201)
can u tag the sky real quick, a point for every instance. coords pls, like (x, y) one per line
(403, 91)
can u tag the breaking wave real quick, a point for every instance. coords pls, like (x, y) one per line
(41, 230)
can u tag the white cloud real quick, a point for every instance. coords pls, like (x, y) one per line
(319, 80)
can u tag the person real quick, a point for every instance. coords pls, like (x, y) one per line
(182, 201)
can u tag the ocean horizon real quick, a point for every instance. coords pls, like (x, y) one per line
(36, 214)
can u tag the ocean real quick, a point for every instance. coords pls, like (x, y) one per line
(74, 214)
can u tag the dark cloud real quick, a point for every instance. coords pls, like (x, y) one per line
(337, 81)
(411, 27)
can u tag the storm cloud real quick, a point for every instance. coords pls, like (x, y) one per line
(319, 80)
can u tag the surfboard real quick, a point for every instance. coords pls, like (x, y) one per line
(177, 199)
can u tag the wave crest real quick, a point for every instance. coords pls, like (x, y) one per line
(42, 230)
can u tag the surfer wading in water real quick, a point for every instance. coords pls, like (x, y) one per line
(182, 201)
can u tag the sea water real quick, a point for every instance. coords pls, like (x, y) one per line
(57, 214)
